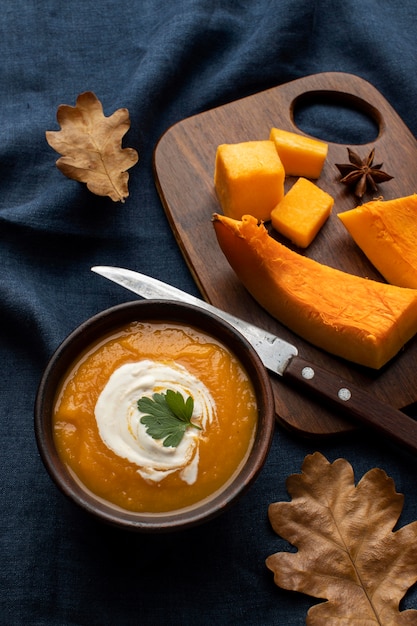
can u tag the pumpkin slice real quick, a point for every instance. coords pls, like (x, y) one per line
(300, 155)
(361, 320)
(248, 178)
(302, 212)
(386, 231)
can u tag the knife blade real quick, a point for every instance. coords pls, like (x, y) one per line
(281, 357)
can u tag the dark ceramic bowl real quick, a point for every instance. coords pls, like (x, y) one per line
(104, 323)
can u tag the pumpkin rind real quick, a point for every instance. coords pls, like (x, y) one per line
(361, 320)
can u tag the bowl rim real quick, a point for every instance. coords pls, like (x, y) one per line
(104, 323)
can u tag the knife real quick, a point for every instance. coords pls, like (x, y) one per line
(281, 357)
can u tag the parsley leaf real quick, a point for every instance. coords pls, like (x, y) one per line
(167, 416)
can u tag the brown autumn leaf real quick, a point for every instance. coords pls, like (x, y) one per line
(347, 553)
(90, 145)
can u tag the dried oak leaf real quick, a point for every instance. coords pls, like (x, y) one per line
(90, 145)
(347, 553)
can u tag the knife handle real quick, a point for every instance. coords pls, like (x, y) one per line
(354, 402)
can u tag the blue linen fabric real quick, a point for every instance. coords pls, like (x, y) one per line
(164, 61)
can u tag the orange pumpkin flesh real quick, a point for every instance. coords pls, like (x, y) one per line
(302, 212)
(248, 178)
(361, 320)
(300, 155)
(386, 231)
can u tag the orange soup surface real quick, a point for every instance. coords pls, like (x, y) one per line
(97, 431)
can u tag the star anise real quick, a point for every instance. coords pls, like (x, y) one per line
(362, 174)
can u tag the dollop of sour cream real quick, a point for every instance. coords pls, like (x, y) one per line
(118, 418)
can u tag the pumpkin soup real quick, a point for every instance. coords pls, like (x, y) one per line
(116, 447)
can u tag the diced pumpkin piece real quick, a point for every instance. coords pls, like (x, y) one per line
(386, 231)
(300, 155)
(302, 212)
(249, 178)
(362, 320)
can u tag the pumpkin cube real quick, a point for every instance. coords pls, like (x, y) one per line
(300, 155)
(302, 212)
(386, 232)
(249, 179)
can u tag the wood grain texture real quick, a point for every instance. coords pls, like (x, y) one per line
(184, 167)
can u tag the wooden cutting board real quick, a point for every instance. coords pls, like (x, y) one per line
(184, 166)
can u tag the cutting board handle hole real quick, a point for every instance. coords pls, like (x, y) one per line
(336, 117)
